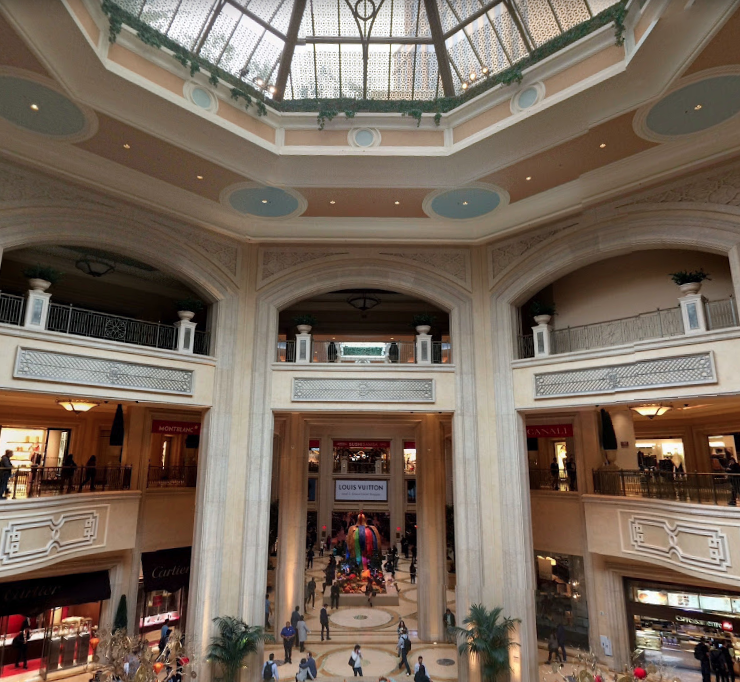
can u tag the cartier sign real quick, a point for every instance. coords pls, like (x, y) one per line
(167, 569)
(550, 431)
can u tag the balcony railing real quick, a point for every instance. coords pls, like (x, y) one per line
(69, 319)
(172, 476)
(42, 481)
(544, 479)
(721, 314)
(365, 352)
(11, 309)
(718, 488)
(378, 467)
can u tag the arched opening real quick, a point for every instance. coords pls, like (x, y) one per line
(103, 294)
(364, 325)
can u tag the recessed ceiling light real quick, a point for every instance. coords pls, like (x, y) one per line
(35, 107)
(200, 177)
(464, 86)
(332, 202)
(127, 146)
(259, 81)
(473, 75)
(397, 202)
(484, 70)
(529, 177)
(465, 203)
(264, 201)
(602, 145)
(697, 107)
(272, 89)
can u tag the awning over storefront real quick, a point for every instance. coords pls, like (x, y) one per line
(31, 597)
(168, 569)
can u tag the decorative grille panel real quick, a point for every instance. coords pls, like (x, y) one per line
(364, 390)
(64, 368)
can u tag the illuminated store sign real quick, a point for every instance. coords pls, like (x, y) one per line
(364, 491)
(550, 431)
(698, 621)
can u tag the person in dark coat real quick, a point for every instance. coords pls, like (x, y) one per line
(324, 620)
(69, 466)
(734, 470)
(20, 642)
(560, 634)
(6, 469)
(718, 663)
(701, 654)
(90, 472)
(335, 596)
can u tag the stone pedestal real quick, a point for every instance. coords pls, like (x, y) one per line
(430, 518)
(542, 336)
(692, 314)
(303, 349)
(37, 310)
(289, 581)
(423, 349)
(185, 335)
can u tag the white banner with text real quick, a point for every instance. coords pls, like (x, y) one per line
(376, 491)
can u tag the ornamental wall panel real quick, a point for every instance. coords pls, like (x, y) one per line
(43, 531)
(312, 389)
(68, 368)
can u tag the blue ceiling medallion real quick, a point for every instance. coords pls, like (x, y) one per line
(36, 104)
(263, 201)
(465, 203)
(697, 103)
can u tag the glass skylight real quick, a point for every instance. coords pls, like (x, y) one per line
(362, 49)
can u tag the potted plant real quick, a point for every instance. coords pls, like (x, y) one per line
(542, 312)
(689, 281)
(423, 322)
(187, 307)
(304, 323)
(41, 277)
(487, 637)
(234, 642)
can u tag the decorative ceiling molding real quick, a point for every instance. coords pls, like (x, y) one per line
(275, 262)
(20, 185)
(501, 256)
(454, 264)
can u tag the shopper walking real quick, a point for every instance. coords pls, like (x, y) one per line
(309, 557)
(701, 654)
(20, 642)
(269, 670)
(560, 634)
(310, 594)
(449, 622)
(555, 473)
(311, 661)
(729, 660)
(288, 635)
(335, 596)
(355, 660)
(420, 671)
(324, 620)
(90, 473)
(412, 572)
(6, 468)
(302, 630)
(718, 663)
(68, 471)
(734, 470)
(552, 648)
(570, 469)
(295, 617)
(404, 646)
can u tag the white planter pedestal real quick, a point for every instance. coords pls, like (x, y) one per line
(692, 314)
(37, 309)
(423, 349)
(303, 349)
(541, 336)
(185, 335)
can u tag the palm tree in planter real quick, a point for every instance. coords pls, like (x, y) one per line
(235, 641)
(487, 637)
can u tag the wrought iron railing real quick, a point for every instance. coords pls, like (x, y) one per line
(719, 488)
(69, 319)
(388, 352)
(11, 309)
(172, 476)
(721, 314)
(379, 467)
(545, 479)
(42, 481)
(653, 325)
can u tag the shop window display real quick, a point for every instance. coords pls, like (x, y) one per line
(362, 457)
(561, 598)
(667, 621)
(409, 457)
(314, 452)
(661, 454)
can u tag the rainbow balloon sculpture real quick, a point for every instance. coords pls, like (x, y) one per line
(362, 541)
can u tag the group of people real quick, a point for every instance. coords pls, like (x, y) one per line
(295, 628)
(556, 644)
(719, 658)
(66, 479)
(570, 471)
(306, 669)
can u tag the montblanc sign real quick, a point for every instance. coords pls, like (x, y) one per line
(372, 491)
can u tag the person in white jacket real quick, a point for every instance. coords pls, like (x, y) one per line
(357, 661)
(302, 630)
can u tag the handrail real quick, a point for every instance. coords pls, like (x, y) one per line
(178, 476)
(32, 481)
(11, 308)
(543, 479)
(698, 488)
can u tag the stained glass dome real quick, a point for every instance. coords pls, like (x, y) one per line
(362, 49)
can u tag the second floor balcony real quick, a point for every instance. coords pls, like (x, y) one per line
(352, 351)
(26, 482)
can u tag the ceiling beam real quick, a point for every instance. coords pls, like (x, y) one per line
(257, 20)
(357, 40)
(286, 58)
(475, 15)
(445, 73)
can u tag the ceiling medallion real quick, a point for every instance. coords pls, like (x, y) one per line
(363, 302)
(95, 267)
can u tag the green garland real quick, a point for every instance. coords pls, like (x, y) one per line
(328, 109)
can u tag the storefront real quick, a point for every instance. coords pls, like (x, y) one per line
(32, 445)
(663, 454)
(561, 597)
(362, 456)
(163, 590)
(61, 612)
(667, 620)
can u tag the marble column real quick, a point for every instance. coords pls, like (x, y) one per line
(326, 486)
(588, 448)
(430, 520)
(289, 581)
(624, 428)
(397, 493)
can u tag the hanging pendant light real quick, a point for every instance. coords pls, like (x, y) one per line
(95, 267)
(363, 301)
(77, 405)
(652, 411)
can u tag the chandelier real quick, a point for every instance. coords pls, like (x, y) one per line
(652, 411)
(77, 405)
(363, 301)
(95, 267)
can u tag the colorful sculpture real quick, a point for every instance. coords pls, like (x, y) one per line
(363, 542)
